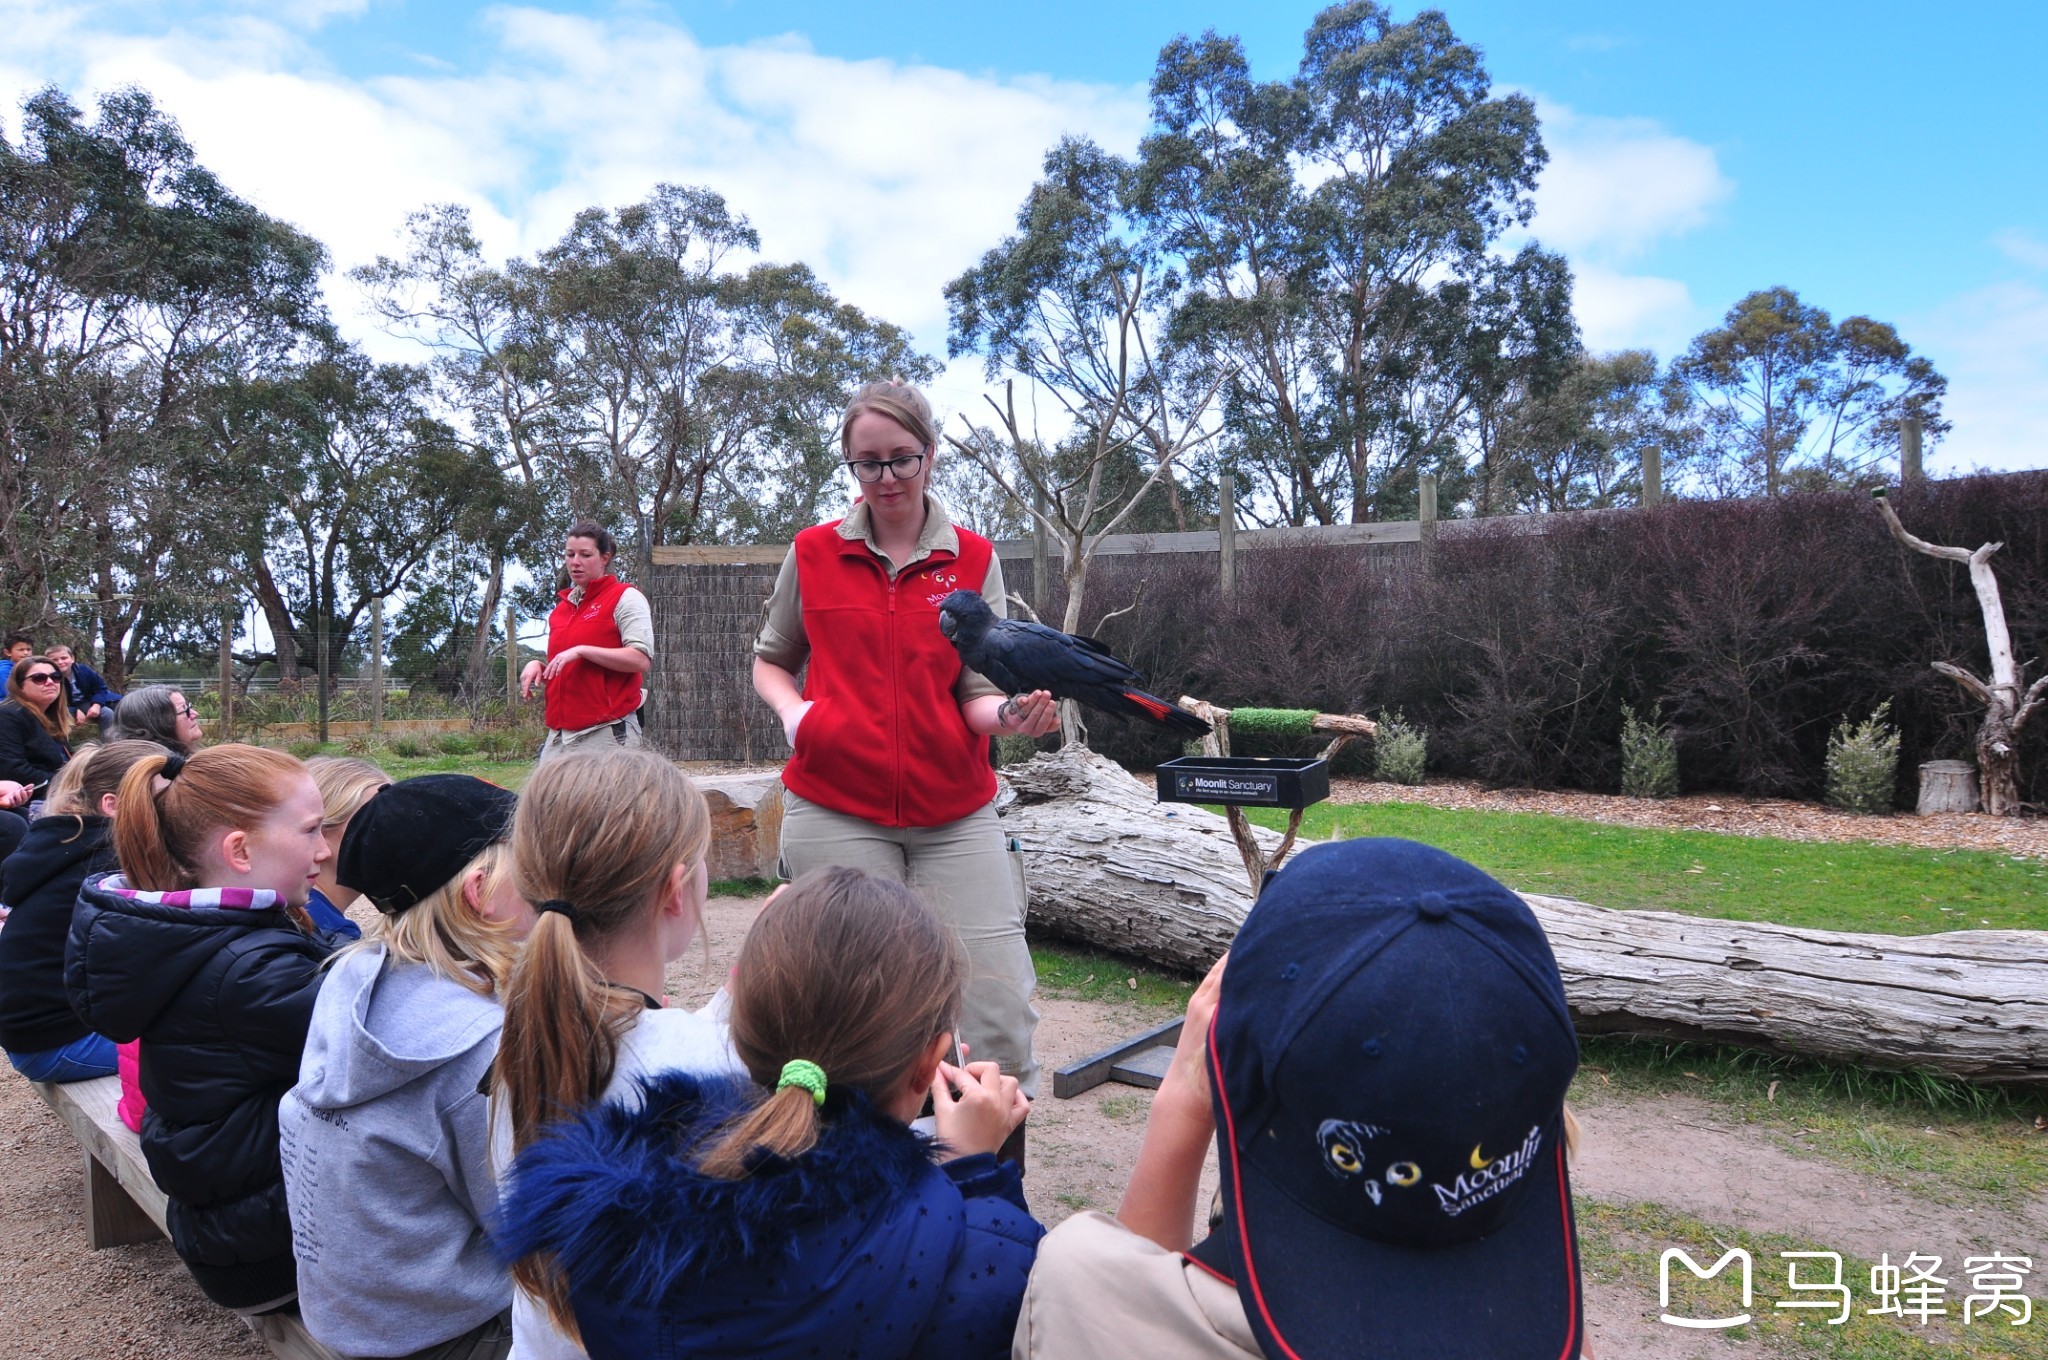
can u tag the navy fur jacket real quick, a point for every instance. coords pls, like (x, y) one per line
(861, 1247)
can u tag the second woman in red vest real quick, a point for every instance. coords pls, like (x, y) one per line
(600, 642)
(890, 772)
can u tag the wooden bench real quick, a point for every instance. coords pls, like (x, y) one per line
(123, 1204)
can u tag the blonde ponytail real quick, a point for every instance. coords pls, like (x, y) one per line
(595, 842)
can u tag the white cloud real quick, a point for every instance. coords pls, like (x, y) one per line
(888, 178)
(1632, 311)
(2023, 247)
(1992, 343)
(1616, 188)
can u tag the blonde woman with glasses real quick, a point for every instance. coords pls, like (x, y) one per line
(890, 732)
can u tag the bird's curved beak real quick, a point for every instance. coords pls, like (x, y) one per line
(945, 623)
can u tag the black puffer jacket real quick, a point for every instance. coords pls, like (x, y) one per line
(221, 999)
(40, 881)
(28, 753)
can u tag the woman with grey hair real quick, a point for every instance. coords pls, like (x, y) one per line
(160, 714)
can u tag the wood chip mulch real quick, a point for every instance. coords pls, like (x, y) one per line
(2020, 837)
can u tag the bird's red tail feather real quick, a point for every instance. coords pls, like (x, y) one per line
(1158, 708)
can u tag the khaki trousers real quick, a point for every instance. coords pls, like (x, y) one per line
(965, 871)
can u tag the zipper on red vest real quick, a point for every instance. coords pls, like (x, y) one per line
(895, 702)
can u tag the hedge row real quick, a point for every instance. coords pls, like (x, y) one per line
(1756, 627)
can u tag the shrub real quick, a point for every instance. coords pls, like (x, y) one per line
(359, 745)
(1400, 751)
(305, 748)
(505, 742)
(455, 744)
(407, 748)
(1649, 755)
(1014, 748)
(1863, 763)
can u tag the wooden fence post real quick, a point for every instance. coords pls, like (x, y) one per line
(227, 677)
(377, 664)
(1426, 510)
(1653, 475)
(1909, 451)
(511, 661)
(1041, 556)
(1226, 532)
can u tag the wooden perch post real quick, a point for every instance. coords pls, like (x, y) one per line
(2006, 709)
(1343, 727)
(1109, 865)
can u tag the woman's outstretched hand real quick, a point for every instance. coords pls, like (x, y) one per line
(529, 676)
(1031, 715)
(980, 1117)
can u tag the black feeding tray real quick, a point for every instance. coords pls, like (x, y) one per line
(1246, 781)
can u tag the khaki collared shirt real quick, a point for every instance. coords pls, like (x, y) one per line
(1101, 1292)
(782, 640)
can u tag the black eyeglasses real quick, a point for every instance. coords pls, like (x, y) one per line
(902, 468)
(40, 678)
(186, 712)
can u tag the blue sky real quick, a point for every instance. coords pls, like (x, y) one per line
(1879, 158)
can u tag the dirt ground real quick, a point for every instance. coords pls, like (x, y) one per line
(64, 1302)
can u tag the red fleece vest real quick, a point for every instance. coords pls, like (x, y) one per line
(585, 694)
(884, 739)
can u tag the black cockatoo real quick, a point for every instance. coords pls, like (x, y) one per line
(1022, 657)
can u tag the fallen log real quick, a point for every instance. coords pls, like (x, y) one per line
(1111, 867)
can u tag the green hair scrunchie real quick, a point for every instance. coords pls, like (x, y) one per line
(805, 1075)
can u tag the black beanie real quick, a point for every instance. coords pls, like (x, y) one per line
(413, 837)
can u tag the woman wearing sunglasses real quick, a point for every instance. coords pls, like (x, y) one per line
(35, 723)
(160, 714)
(891, 771)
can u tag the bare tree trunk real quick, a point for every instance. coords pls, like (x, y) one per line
(2006, 709)
(1107, 864)
(278, 615)
(476, 674)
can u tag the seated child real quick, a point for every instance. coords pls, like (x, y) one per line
(610, 846)
(1386, 1067)
(345, 784)
(44, 1038)
(200, 947)
(799, 1214)
(386, 1138)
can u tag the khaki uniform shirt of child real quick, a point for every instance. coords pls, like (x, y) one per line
(1101, 1292)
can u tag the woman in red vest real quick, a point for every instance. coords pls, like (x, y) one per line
(600, 642)
(890, 772)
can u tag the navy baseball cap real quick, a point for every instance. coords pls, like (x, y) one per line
(1388, 1062)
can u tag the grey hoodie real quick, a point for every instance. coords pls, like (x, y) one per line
(386, 1149)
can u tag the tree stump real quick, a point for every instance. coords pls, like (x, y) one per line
(1112, 867)
(1948, 786)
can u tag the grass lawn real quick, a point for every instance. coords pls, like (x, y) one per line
(1897, 890)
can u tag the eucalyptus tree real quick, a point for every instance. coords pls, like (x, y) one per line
(1073, 306)
(498, 366)
(1794, 400)
(1332, 229)
(132, 283)
(362, 489)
